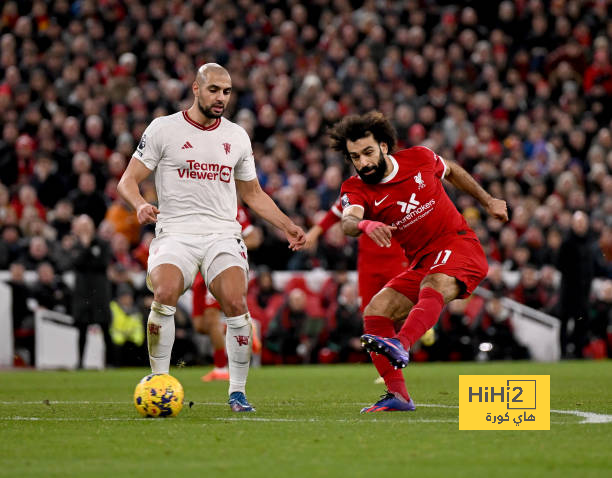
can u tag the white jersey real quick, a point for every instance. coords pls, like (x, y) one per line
(195, 168)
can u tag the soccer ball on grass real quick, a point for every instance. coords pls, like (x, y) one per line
(159, 395)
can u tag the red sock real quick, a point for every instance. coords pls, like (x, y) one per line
(422, 317)
(219, 358)
(394, 379)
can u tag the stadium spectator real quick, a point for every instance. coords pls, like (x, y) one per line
(495, 328)
(50, 291)
(495, 280)
(36, 253)
(124, 221)
(347, 325)
(23, 319)
(576, 263)
(91, 257)
(601, 317)
(61, 218)
(528, 291)
(127, 329)
(86, 200)
(293, 334)
(27, 200)
(50, 188)
(549, 287)
(10, 246)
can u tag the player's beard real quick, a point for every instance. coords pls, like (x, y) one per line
(379, 171)
(208, 112)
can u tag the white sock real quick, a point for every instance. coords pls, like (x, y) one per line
(160, 336)
(238, 341)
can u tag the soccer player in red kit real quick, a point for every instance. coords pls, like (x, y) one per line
(401, 195)
(206, 313)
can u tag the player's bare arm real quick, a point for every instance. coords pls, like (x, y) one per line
(312, 237)
(462, 180)
(134, 174)
(263, 205)
(353, 224)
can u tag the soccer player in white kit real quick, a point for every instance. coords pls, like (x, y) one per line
(200, 159)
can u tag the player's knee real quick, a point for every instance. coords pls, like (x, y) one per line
(166, 295)
(448, 286)
(377, 307)
(234, 305)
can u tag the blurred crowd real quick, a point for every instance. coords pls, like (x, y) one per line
(517, 92)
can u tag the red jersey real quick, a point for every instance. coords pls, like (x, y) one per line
(412, 199)
(201, 297)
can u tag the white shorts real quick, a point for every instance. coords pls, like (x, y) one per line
(211, 254)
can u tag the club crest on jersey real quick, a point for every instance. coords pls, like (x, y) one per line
(227, 147)
(419, 180)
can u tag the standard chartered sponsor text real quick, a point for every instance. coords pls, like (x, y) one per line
(407, 219)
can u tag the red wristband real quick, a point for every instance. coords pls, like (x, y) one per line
(368, 226)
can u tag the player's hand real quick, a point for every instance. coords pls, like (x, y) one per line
(312, 238)
(498, 209)
(377, 231)
(296, 237)
(147, 213)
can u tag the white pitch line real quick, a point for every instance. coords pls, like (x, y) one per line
(588, 417)
(315, 420)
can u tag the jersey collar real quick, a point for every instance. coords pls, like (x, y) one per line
(214, 125)
(393, 172)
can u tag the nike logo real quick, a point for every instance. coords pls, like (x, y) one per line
(378, 203)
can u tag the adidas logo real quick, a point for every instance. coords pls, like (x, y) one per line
(187, 145)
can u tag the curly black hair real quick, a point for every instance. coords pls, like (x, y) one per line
(354, 127)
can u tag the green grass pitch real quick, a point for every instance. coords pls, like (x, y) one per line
(307, 424)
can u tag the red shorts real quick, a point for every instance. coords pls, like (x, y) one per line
(202, 299)
(462, 258)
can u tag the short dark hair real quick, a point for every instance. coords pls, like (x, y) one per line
(354, 127)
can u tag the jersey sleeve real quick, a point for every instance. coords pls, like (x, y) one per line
(245, 167)
(352, 195)
(150, 148)
(333, 216)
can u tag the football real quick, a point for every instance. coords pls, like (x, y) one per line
(159, 395)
